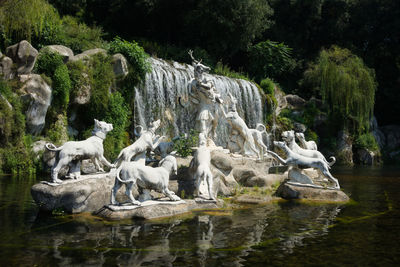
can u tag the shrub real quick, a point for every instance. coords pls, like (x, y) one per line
(268, 86)
(27, 19)
(134, 54)
(184, 144)
(225, 70)
(47, 62)
(78, 36)
(366, 141)
(270, 59)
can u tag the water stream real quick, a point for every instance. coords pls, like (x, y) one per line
(157, 98)
(361, 233)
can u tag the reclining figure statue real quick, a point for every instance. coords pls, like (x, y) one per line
(146, 178)
(294, 159)
(91, 148)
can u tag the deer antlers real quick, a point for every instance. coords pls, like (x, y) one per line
(190, 52)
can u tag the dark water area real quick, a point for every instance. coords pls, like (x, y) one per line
(364, 232)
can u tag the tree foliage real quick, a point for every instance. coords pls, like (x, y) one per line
(345, 84)
(24, 19)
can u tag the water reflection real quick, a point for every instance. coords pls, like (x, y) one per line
(201, 239)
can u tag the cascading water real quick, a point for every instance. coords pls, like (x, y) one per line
(157, 98)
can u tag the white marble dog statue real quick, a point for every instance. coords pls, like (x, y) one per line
(202, 161)
(258, 138)
(145, 177)
(238, 124)
(289, 137)
(310, 145)
(294, 159)
(147, 140)
(91, 148)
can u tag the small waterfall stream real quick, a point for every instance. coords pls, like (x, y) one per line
(157, 98)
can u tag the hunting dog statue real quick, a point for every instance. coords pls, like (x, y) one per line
(294, 159)
(91, 148)
(310, 145)
(145, 177)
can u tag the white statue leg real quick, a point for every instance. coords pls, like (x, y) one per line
(129, 187)
(117, 185)
(64, 161)
(97, 164)
(210, 187)
(170, 194)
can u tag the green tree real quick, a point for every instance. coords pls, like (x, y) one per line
(27, 19)
(346, 85)
(270, 59)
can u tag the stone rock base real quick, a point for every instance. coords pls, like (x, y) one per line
(156, 211)
(290, 190)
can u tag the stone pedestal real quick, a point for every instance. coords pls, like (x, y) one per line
(290, 190)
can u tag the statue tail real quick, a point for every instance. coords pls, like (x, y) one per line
(119, 178)
(332, 161)
(52, 147)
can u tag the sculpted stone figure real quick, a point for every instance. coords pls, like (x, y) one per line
(203, 94)
(258, 138)
(147, 140)
(289, 137)
(310, 145)
(238, 124)
(91, 148)
(294, 159)
(201, 162)
(145, 177)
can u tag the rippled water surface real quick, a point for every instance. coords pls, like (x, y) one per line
(364, 232)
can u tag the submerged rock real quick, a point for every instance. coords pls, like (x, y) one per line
(24, 55)
(291, 191)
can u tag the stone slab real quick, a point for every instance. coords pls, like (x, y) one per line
(290, 190)
(156, 211)
(129, 206)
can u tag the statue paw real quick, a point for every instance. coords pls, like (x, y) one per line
(101, 170)
(57, 181)
(175, 198)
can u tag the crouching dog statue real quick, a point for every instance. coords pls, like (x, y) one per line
(146, 178)
(91, 148)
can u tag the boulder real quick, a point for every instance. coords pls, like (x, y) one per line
(84, 91)
(120, 65)
(344, 152)
(299, 127)
(88, 194)
(295, 102)
(38, 95)
(88, 53)
(24, 55)
(291, 191)
(221, 161)
(38, 148)
(64, 51)
(281, 100)
(365, 157)
(6, 70)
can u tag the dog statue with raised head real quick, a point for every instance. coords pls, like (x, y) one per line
(147, 140)
(294, 159)
(146, 178)
(91, 148)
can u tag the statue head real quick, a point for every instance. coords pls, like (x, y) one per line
(102, 127)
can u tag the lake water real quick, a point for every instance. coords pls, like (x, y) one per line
(364, 232)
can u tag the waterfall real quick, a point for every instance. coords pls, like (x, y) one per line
(157, 98)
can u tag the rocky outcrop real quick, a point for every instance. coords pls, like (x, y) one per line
(291, 191)
(38, 95)
(344, 152)
(24, 55)
(120, 65)
(64, 51)
(229, 172)
(89, 194)
(295, 102)
(6, 70)
(88, 53)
